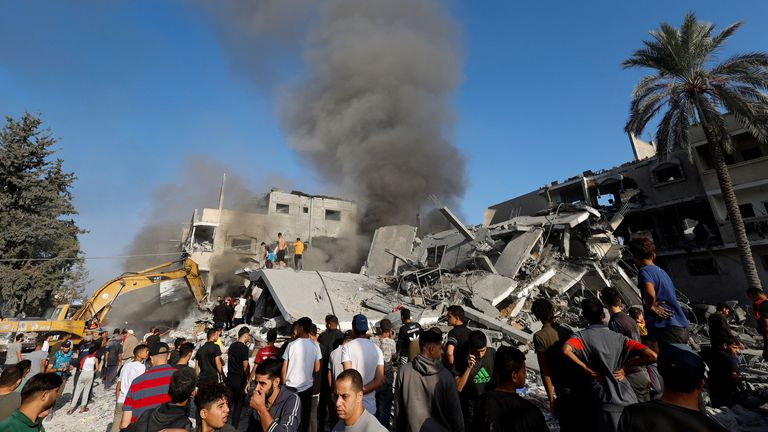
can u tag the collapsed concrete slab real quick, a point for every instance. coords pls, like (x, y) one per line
(389, 242)
(517, 251)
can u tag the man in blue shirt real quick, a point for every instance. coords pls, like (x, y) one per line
(664, 317)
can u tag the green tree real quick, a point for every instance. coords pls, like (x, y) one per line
(689, 86)
(38, 236)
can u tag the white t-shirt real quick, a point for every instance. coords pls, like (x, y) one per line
(46, 345)
(301, 355)
(89, 364)
(239, 310)
(365, 357)
(334, 364)
(129, 373)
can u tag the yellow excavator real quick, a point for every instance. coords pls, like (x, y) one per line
(158, 294)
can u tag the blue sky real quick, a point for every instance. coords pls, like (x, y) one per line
(133, 88)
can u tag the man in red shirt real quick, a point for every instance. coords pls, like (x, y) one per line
(268, 352)
(149, 389)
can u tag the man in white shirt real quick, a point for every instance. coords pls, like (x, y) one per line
(365, 357)
(128, 373)
(300, 360)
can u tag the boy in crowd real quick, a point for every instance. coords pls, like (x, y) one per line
(473, 374)
(37, 397)
(212, 402)
(724, 381)
(457, 343)
(10, 400)
(502, 409)
(384, 395)
(637, 314)
(407, 336)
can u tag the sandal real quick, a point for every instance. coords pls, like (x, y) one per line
(70, 411)
(82, 410)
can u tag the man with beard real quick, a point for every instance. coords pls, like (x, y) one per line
(37, 397)
(276, 408)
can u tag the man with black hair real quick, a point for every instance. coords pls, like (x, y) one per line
(604, 356)
(719, 330)
(317, 383)
(760, 309)
(38, 359)
(724, 381)
(212, 402)
(220, 314)
(365, 357)
(565, 388)
(457, 343)
(384, 394)
(327, 341)
(174, 357)
(208, 363)
(678, 409)
(37, 397)
(622, 323)
(293, 335)
(664, 316)
(300, 362)
(280, 250)
(113, 356)
(13, 351)
(335, 368)
(130, 371)
(276, 408)
(298, 252)
(174, 413)
(407, 336)
(473, 374)
(185, 355)
(10, 399)
(266, 352)
(153, 337)
(238, 370)
(502, 409)
(349, 405)
(425, 397)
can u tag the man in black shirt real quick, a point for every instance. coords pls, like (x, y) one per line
(327, 340)
(185, 355)
(238, 371)
(457, 344)
(174, 357)
(208, 364)
(678, 409)
(154, 338)
(502, 409)
(719, 330)
(724, 381)
(473, 374)
(622, 323)
(220, 314)
(407, 335)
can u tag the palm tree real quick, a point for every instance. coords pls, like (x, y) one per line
(689, 88)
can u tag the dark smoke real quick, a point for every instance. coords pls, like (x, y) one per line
(373, 112)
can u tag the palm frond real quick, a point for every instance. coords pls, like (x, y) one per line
(749, 68)
(748, 105)
(720, 38)
(714, 119)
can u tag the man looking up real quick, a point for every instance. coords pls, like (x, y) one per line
(604, 356)
(365, 357)
(37, 397)
(457, 343)
(276, 408)
(425, 397)
(678, 409)
(349, 405)
(663, 314)
(301, 362)
(760, 308)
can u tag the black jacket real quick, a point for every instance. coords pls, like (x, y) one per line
(164, 416)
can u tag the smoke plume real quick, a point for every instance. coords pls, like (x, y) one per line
(372, 113)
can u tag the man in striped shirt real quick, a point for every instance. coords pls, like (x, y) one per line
(149, 389)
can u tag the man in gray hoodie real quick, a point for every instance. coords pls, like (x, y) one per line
(427, 399)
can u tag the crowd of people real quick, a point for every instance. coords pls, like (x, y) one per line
(629, 370)
(274, 256)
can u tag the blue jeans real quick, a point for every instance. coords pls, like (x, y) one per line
(384, 397)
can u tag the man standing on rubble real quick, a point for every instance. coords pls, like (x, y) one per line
(365, 357)
(457, 343)
(282, 247)
(719, 330)
(298, 253)
(407, 335)
(664, 317)
(622, 323)
(760, 308)
(605, 356)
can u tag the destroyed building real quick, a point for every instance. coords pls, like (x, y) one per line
(223, 239)
(677, 202)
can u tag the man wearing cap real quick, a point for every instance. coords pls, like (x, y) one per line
(129, 344)
(149, 389)
(365, 357)
(678, 409)
(384, 395)
(61, 363)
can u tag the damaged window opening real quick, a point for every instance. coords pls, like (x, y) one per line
(332, 215)
(667, 173)
(241, 245)
(751, 153)
(305, 210)
(282, 208)
(746, 210)
(701, 267)
(203, 239)
(435, 256)
(764, 259)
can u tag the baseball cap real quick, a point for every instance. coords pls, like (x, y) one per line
(159, 348)
(130, 331)
(680, 367)
(66, 344)
(360, 323)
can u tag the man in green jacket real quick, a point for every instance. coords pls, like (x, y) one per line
(38, 396)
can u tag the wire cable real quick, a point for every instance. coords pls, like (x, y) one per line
(86, 258)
